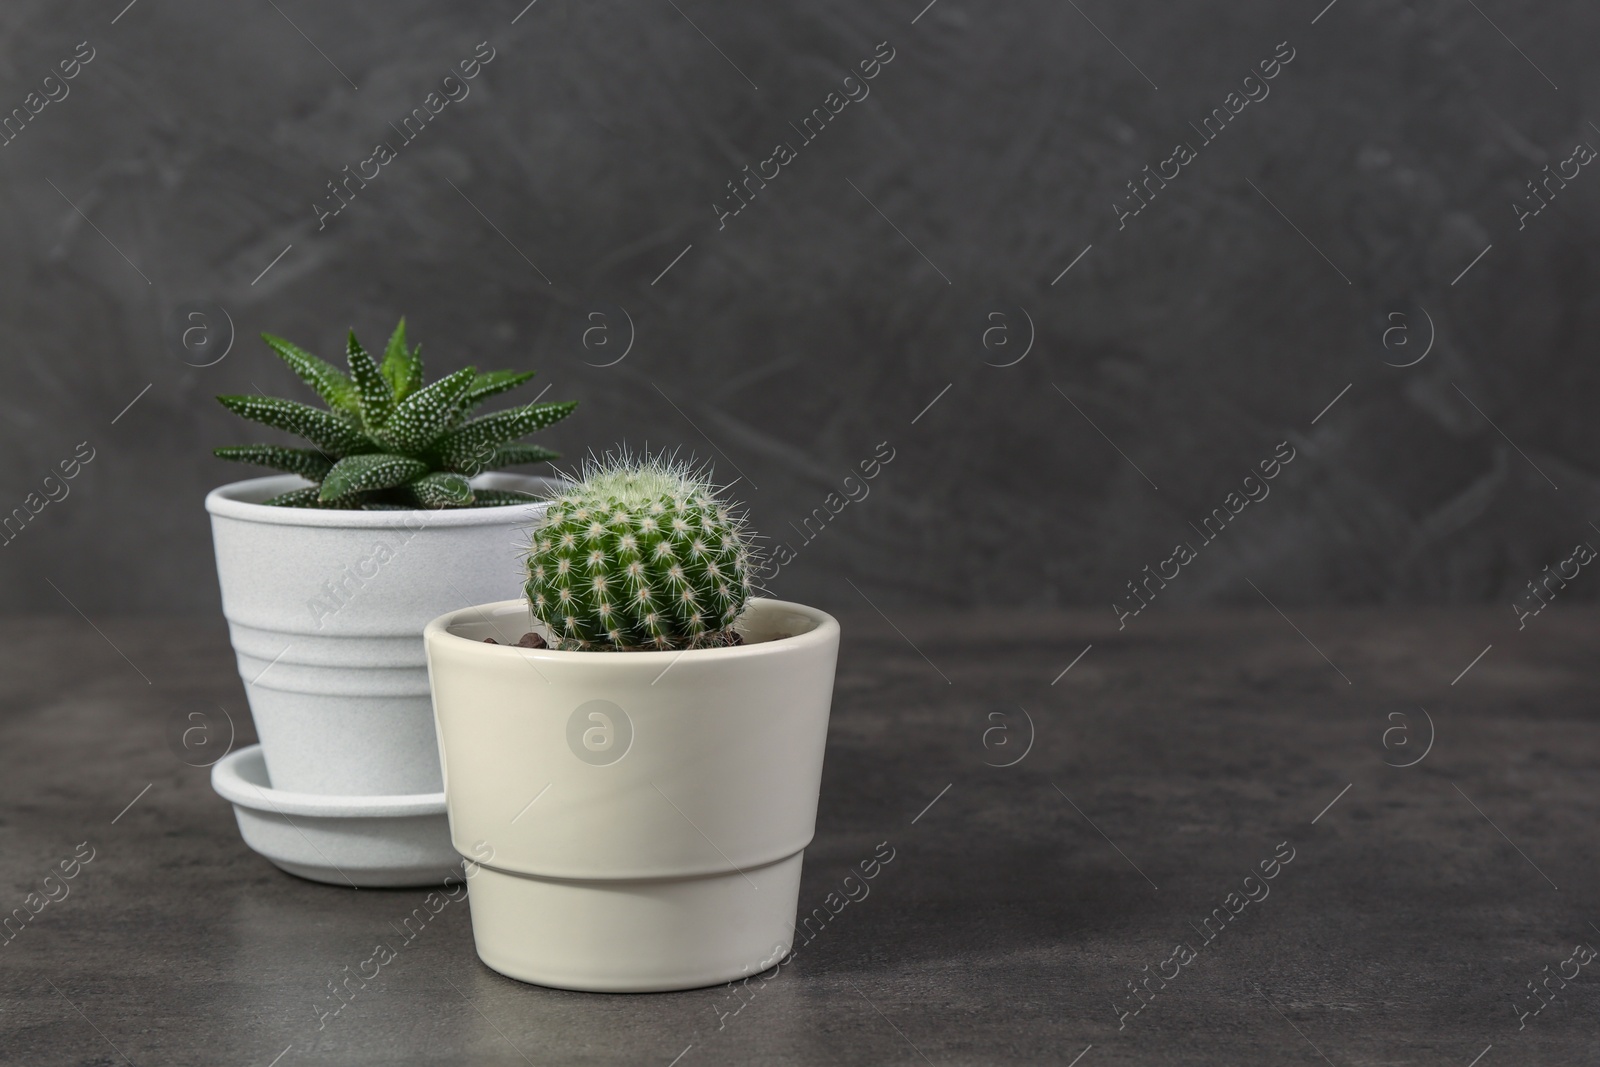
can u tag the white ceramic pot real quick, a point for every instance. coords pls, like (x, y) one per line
(326, 609)
(637, 818)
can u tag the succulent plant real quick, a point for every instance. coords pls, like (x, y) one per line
(386, 440)
(641, 554)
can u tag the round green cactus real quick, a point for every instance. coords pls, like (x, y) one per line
(640, 555)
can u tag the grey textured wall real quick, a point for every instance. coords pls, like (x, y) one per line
(857, 287)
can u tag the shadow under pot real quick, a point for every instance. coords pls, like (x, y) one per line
(633, 821)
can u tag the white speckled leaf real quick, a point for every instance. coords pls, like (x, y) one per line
(513, 455)
(307, 462)
(326, 380)
(376, 470)
(328, 432)
(424, 415)
(442, 489)
(377, 398)
(463, 447)
(402, 367)
(493, 383)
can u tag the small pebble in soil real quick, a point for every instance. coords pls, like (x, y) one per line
(532, 640)
(490, 641)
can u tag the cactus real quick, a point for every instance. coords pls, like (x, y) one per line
(641, 554)
(385, 440)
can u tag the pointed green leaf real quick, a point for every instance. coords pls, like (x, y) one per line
(328, 432)
(424, 415)
(395, 355)
(377, 398)
(305, 462)
(515, 455)
(326, 380)
(441, 489)
(309, 498)
(474, 443)
(375, 470)
(493, 382)
(494, 498)
(402, 367)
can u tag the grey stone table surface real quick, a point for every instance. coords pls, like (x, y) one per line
(1409, 912)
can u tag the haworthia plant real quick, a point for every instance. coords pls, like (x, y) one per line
(640, 554)
(387, 441)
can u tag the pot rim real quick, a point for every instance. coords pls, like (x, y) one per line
(825, 631)
(242, 500)
(230, 783)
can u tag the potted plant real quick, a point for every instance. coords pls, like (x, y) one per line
(637, 795)
(328, 574)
